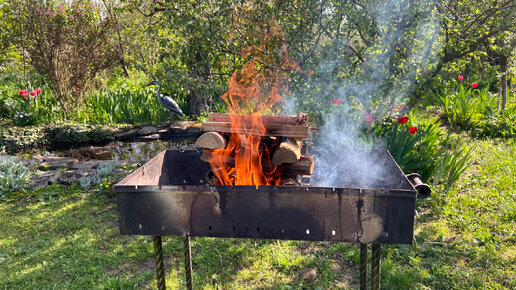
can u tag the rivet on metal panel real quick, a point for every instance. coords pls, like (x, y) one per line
(333, 232)
(162, 227)
(201, 181)
(140, 227)
(386, 234)
(307, 231)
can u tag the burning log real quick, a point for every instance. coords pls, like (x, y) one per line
(211, 140)
(290, 181)
(288, 151)
(305, 166)
(255, 149)
(300, 120)
(294, 131)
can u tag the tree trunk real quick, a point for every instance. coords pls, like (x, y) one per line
(503, 81)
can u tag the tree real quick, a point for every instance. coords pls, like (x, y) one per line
(68, 44)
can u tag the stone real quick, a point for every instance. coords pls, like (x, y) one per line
(163, 130)
(71, 176)
(148, 130)
(194, 127)
(309, 275)
(55, 162)
(86, 165)
(40, 180)
(179, 126)
(127, 134)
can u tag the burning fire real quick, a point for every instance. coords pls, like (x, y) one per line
(252, 93)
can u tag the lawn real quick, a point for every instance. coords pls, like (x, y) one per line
(65, 238)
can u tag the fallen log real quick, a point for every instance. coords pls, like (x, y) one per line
(211, 140)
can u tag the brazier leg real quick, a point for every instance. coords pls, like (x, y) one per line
(363, 266)
(188, 264)
(376, 266)
(158, 259)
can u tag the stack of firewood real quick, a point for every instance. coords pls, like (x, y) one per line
(285, 135)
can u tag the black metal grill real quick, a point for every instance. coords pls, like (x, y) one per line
(171, 195)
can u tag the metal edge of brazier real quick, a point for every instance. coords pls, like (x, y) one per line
(270, 212)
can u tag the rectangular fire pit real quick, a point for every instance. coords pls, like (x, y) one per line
(171, 195)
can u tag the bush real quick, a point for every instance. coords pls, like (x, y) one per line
(13, 174)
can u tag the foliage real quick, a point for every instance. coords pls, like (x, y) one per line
(68, 43)
(124, 105)
(102, 179)
(427, 151)
(476, 110)
(13, 174)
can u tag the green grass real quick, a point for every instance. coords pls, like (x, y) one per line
(464, 239)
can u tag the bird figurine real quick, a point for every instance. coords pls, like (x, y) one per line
(166, 101)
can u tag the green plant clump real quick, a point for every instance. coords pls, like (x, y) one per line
(13, 174)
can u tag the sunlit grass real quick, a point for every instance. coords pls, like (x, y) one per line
(464, 239)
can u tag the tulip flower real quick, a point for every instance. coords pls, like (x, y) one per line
(402, 119)
(369, 118)
(38, 91)
(474, 85)
(413, 130)
(33, 93)
(461, 78)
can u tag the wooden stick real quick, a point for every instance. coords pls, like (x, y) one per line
(288, 151)
(246, 128)
(290, 181)
(211, 140)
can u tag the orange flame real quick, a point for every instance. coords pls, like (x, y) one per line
(253, 92)
(247, 160)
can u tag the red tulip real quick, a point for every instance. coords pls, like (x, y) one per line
(337, 101)
(21, 92)
(25, 94)
(413, 130)
(402, 119)
(461, 78)
(33, 93)
(474, 85)
(38, 91)
(369, 118)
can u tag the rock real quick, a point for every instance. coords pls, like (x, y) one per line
(71, 176)
(309, 275)
(55, 162)
(86, 165)
(148, 130)
(194, 127)
(127, 134)
(38, 158)
(163, 130)
(41, 179)
(179, 127)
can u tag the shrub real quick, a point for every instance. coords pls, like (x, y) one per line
(13, 174)
(101, 179)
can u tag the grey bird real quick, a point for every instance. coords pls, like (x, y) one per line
(166, 101)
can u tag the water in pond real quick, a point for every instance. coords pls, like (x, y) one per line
(138, 151)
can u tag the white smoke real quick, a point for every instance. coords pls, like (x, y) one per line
(375, 88)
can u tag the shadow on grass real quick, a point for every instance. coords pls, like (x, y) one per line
(74, 242)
